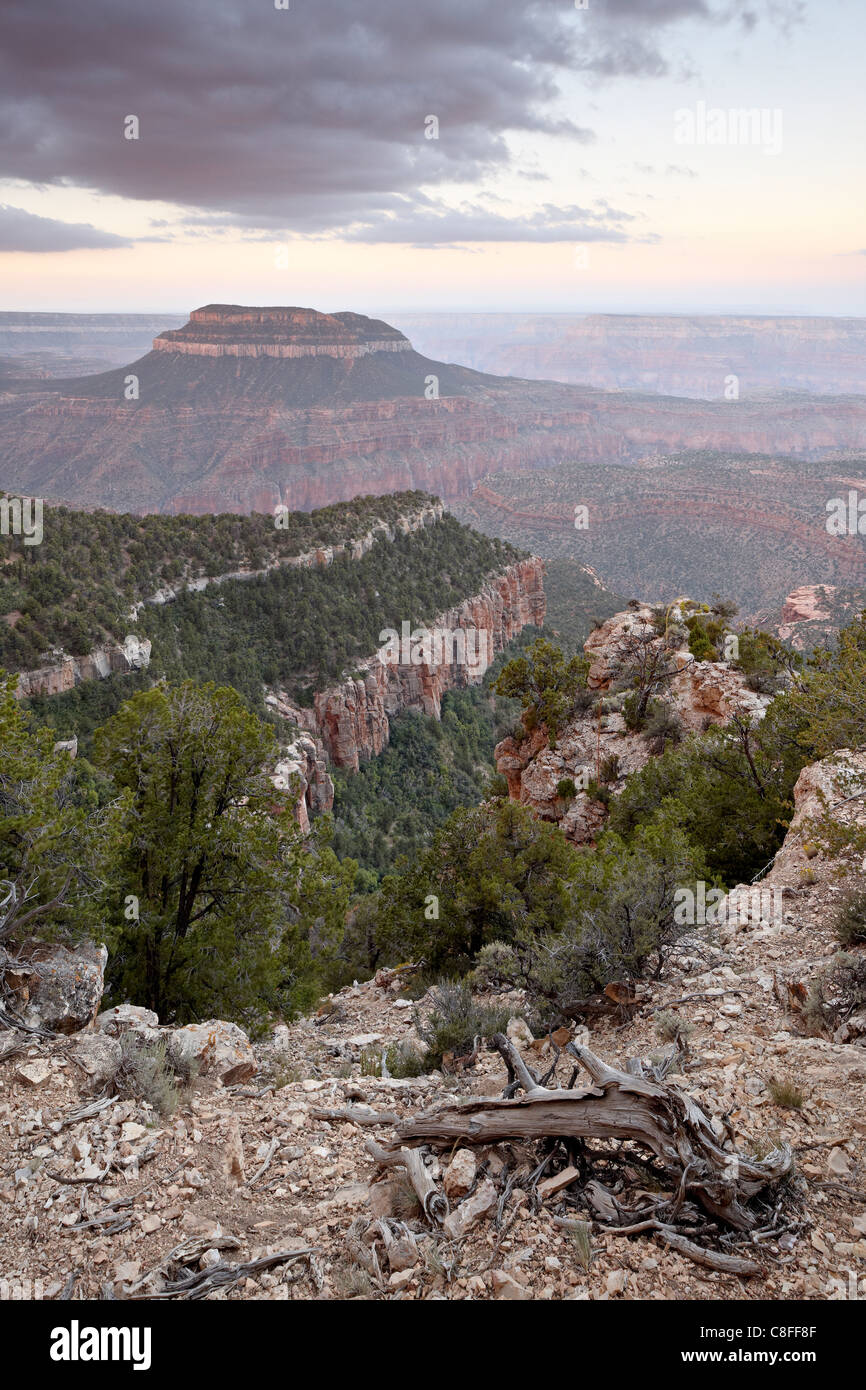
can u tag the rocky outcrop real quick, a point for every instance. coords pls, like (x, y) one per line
(352, 718)
(229, 330)
(303, 770)
(66, 672)
(834, 787)
(599, 746)
(214, 1048)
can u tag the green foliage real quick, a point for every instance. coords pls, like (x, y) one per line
(77, 587)
(765, 661)
(205, 912)
(662, 726)
(303, 628)
(576, 602)
(850, 917)
(566, 789)
(610, 768)
(620, 919)
(825, 709)
(548, 687)
(632, 713)
(455, 1020)
(730, 789)
(147, 1074)
(492, 870)
(391, 807)
(701, 639)
(57, 834)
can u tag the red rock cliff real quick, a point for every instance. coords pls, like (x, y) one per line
(352, 719)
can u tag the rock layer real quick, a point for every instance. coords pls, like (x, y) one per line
(353, 718)
(243, 409)
(229, 330)
(66, 672)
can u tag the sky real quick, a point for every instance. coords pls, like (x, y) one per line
(396, 155)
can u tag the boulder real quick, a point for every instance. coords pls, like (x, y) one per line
(124, 1018)
(57, 988)
(33, 1073)
(214, 1048)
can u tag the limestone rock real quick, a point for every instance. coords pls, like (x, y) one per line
(33, 1074)
(215, 1048)
(461, 1221)
(124, 1018)
(460, 1174)
(506, 1288)
(57, 988)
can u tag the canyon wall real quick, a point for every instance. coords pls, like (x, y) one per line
(351, 719)
(62, 675)
(675, 354)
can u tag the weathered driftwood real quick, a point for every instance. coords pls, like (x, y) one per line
(357, 1115)
(618, 1106)
(434, 1204)
(713, 1259)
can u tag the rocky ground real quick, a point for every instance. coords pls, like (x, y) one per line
(103, 1197)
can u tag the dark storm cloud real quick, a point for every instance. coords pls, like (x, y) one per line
(311, 117)
(24, 231)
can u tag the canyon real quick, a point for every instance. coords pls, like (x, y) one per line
(750, 527)
(246, 409)
(671, 354)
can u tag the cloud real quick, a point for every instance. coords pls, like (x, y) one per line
(435, 227)
(311, 117)
(24, 231)
(679, 171)
(315, 112)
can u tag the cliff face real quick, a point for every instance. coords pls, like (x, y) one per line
(681, 355)
(229, 330)
(351, 720)
(68, 671)
(303, 769)
(61, 675)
